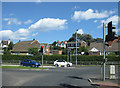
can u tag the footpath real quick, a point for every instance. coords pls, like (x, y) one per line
(108, 83)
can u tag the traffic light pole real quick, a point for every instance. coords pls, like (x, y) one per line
(42, 59)
(103, 51)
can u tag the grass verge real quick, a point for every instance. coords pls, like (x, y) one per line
(21, 67)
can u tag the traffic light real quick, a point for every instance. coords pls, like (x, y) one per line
(111, 34)
(42, 49)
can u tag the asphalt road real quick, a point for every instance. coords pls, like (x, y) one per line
(65, 77)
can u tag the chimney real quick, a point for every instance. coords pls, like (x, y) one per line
(110, 43)
(8, 41)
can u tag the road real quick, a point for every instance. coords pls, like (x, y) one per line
(65, 77)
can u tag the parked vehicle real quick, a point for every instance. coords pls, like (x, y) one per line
(29, 62)
(62, 63)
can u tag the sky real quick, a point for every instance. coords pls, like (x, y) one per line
(51, 21)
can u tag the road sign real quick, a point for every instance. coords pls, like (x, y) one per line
(112, 72)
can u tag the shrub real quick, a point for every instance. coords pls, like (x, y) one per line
(60, 57)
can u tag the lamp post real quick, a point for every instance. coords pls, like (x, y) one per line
(76, 47)
(103, 51)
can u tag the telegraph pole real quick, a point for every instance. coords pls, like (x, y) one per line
(103, 51)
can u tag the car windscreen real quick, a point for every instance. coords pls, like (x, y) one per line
(33, 61)
(60, 61)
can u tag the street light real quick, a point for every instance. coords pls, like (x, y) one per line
(76, 47)
(103, 51)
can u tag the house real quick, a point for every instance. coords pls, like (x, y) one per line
(46, 48)
(61, 44)
(1, 50)
(72, 45)
(4, 44)
(56, 51)
(97, 48)
(21, 47)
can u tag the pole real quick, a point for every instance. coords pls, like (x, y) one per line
(42, 59)
(76, 48)
(68, 56)
(103, 51)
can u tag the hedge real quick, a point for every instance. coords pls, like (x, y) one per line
(60, 57)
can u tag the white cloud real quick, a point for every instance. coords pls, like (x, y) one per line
(20, 34)
(114, 20)
(12, 21)
(38, 1)
(11, 14)
(90, 14)
(80, 31)
(95, 21)
(75, 7)
(34, 34)
(28, 21)
(48, 24)
(111, 12)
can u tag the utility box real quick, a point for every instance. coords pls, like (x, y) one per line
(112, 72)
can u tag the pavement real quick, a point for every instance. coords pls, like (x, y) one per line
(108, 83)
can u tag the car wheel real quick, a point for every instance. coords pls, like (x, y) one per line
(68, 65)
(33, 66)
(56, 65)
(21, 65)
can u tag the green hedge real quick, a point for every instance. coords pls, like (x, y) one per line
(60, 57)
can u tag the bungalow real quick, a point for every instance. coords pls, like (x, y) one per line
(97, 48)
(21, 47)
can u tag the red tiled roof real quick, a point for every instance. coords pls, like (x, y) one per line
(116, 40)
(59, 42)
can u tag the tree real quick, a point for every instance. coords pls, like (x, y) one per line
(33, 51)
(72, 39)
(97, 40)
(82, 49)
(6, 51)
(112, 54)
(10, 46)
(85, 37)
(54, 43)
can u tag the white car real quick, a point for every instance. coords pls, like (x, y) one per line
(62, 63)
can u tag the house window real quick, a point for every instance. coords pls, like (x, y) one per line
(95, 53)
(72, 44)
(78, 44)
(17, 53)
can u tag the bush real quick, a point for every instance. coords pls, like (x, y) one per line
(112, 54)
(60, 57)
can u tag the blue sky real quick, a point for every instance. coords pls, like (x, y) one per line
(51, 21)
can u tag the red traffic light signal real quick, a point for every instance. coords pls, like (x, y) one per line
(41, 46)
(42, 49)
